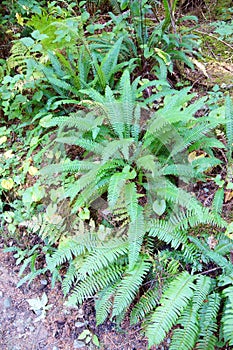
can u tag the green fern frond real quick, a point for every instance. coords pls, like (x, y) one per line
(135, 127)
(212, 255)
(129, 286)
(89, 286)
(18, 56)
(108, 168)
(67, 250)
(206, 143)
(121, 216)
(148, 162)
(128, 102)
(146, 304)
(179, 196)
(166, 232)
(203, 164)
(190, 137)
(229, 125)
(224, 246)
(68, 166)
(70, 277)
(88, 145)
(85, 180)
(88, 194)
(109, 61)
(114, 148)
(185, 338)
(131, 200)
(136, 233)
(208, 323)
(56, 65)
(218, 201)
(185, 171)
(203, 285)
(59, 83)
(175, 298)
(79, 120)
(103, 303)
(95, 96)
(227, 319)
(104, 255)
(70, 248)
(116, 185)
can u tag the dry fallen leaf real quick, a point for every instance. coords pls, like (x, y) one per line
(228, 196)
(3, 139)
(32, 170)
(193, 156)
(8, 154)
(212, 242)
(200, 66)
(7, 184)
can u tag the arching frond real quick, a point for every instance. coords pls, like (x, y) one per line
(227, 319)
(129, 285)
(175, 298)
(208, 323)
(146, 304)
(89, 286)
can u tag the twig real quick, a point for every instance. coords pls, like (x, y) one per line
(211, 270)
(215, 37)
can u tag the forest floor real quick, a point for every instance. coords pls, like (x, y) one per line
(20, 328)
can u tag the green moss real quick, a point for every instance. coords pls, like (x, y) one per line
(213, 48)
(221, 10)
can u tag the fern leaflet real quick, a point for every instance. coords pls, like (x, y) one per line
(175, 298)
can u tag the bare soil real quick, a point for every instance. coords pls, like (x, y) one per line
(20, 330)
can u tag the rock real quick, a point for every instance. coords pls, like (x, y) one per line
(38, 312)
(31, 328)
(29, 320)
(80, 324)
(55, 348)
(7, 303)
(44, 282)
(80, 313)
(1, 294)
(78, 344)
(20, 329)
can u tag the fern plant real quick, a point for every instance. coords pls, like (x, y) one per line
(132, 160)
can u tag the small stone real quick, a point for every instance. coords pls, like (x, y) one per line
(44, 282)
(80, 324)
(7, 303)
(78, 344)
(1, 294)
(20, 329)
(80, 313)
(38, 312)
(55, 348)
(31, 328)
(29, 320)
(168, 340)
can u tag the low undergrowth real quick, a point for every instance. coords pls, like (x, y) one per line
(100, 159)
